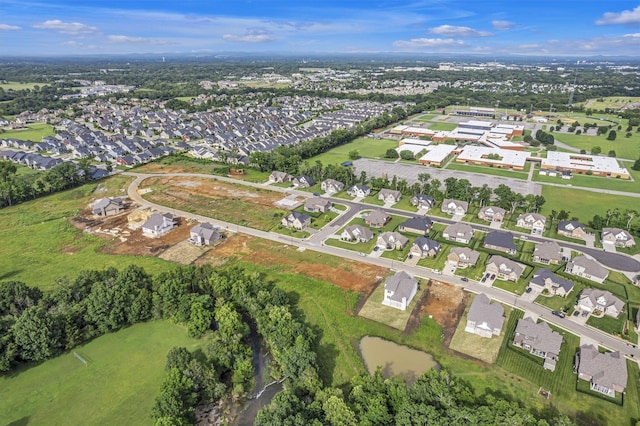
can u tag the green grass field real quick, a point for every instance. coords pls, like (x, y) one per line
(443, 126)
(495, 171)
(614, 102)
(366, 147)
(628, 148)
(118, 386)
(34, 132)
(13, 85)
(591, 182)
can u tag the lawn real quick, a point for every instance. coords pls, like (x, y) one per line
(442, 126)
(591, 182)
(438, 261)
(609, 324)
(34, 234)
(374, 310)
(33, 132)
(614, 102)
(496, 171)
(118, 386)
(14, 85)
(366, 147)
(628, 148)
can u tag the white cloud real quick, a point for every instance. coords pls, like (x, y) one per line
(453, 31)
(251, 36)
(65, 27)
(502, 25)
(137, 40)
(7, 27)
(417, 43)
(624, 17)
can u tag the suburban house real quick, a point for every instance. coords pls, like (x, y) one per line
(204, 234)
(504, 269)
(280, 177)
(592, 299)
(618, 237)
(377, 219)
(539, 340)
(303, 181)
(391, 241)
(548, 253)
(108, 206)
(158, 225)
(533, 221)
(605, 372)
(317, 205)
(454, 207)
(459, 232)
(359, 191)
(500, 241)
(587, 268)
(463, 257)
(423, 201)
(484, 318)
(545, 279)
(492, 214)
(296, 220)
(389, 195)
(399, 290)
(331, 186)
(358, 233)
(424, 247)
(572, 228)
(417, 225)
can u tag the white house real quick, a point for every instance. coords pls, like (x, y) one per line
(158, 225)
(399, 290)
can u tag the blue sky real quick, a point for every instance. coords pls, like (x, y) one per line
(551, 28)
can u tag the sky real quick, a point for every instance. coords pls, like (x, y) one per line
(577, 28)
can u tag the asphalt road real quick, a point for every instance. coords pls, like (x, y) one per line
(315, 243)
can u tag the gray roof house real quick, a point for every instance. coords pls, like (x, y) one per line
(359, 233)
(492, 214)
(587, 268)
(546, 279)
(389, 195)
(548, 252)
(618, 237)
(572, 228)
(504, 268)
(331, 186)
(317, 205)
(359, 191)
(399, 290)
(463, 257)
(454, 207)
(377, 219)
(501, 241)
(204, 234)
(423, 201)
(391, 241)
(279, 177)
(533, 221)
(296, 220)
(605, 372)
(417, 225)
(424, 247)
(460, 232)
(158, 225)
(539, 340)
(303, 181)
(108, 206)
(593, 299)
(484, 318)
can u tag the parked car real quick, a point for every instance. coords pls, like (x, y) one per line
(528, 290)
(585, 313)
(493, 276)
(316, 194)
(465, 279)
(576, 313)
(484, 279)
(558, 314)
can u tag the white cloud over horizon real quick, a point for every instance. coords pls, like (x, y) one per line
(7, 27)
(502, 25)
(626, 17)
(418, 43)
(455, 31)
(65, 27)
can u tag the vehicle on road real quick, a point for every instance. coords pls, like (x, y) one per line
(316, 194)
(362, 254)
(558, 314)
(465, 279)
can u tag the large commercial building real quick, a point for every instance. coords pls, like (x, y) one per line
(583, 163)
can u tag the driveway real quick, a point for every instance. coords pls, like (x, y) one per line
(609, 247)
(531, 296)
(495, 225)
(590, 239)
(457, 217)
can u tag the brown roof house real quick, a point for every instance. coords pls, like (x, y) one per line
(492, 214)
(331, 186)
(158, 225)
(618, 237)
(399, 290)
(484, 318)
(463, 257)
(533, 221)
(416, 225)
(377, 219)
(391, 241)
(459, 232)
(389, 195)
(108, 206)
(424, 247)
(500, 241)
(548, 253)
(357, 233)
(592, 299)
(279, 177)
(317, 205)
(454, 207)
(605, 372)
(204, 234)
(423, 201)
(587, 268)
(539, 340)
(545, 279)
(572, 228)
(505, 269)
(296, 220)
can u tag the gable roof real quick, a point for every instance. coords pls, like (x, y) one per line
(531, 217)
(377, 217)
(606, 369)
(506, 265)
(492, 210)
(417, 222)
(500, 239)
(459, 229)
(469, 255)
(569, 225)
(539, 336)
(483, 311)
(425, 244)
(541, 275)
(590, 266)
(593, 294)
(401, 284)
(205, 230)
(548, 250)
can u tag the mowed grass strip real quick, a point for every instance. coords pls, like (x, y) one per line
(366, 147)
(117, 386)
(495, 171)
(624, 147)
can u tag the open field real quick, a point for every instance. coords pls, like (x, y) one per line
(591, 182)
(39, 245)
(118, 386)
(612, 102)
(496, 171)
(14, 85)
(583, 204)
(443, 126)
(179, 163)
(624, 147)
(33, 132)
(366, 147)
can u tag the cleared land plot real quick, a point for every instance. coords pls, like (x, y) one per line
(118, 386)
(374, 310)
(184, 253)
(475, 346)
(366, 147)
(33, 132)
(223, 201)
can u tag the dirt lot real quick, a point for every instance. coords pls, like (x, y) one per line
(346, 274)
(445, 303)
